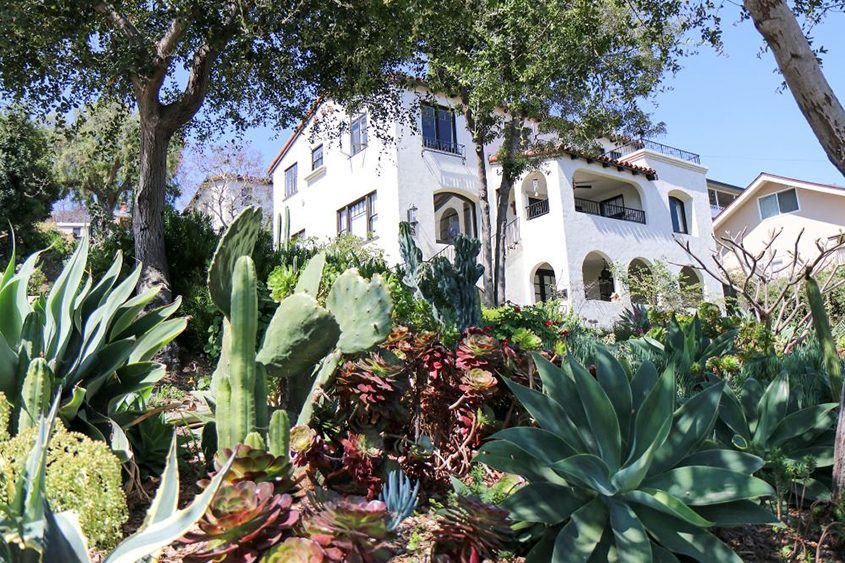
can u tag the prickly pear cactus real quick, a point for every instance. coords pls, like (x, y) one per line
(298, 336)
(362, 309)
(238, 240)
(35, 393)
(309, 279)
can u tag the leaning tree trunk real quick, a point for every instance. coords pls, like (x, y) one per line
(508, 153)
(803, 74)
(486, 234)
(148, 213)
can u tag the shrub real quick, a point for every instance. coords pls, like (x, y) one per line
(518, 324)
(83, 475)
(614, 465)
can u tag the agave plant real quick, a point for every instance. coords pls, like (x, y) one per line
(244, 520)
(30, 531)
(352, 530)
(614, 470)
(88, 339)
(399, 496)
(770, 423)
(469, 531)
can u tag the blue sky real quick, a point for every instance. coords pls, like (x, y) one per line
(728, 109)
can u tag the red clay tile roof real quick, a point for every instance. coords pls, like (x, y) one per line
(605, 161)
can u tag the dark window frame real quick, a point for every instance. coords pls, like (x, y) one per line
(680, 222)
(344, 218)
(314, 160)
(362, 132)
(439, 141)
(544, 278)
(291, 180)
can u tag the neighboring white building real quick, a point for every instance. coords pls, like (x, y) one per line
(721, 195)
(570, 220)
(221, 197)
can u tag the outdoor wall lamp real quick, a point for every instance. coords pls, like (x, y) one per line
(412, 218)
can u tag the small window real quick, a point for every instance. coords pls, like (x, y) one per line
(359, 133)
(438, 128)
(450, 226)
(316, 157)
(679, 216)
(290, 181)
(359, 217)
(775, 204)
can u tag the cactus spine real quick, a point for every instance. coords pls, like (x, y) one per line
(824, 335)
(35, 393)
(279, 434)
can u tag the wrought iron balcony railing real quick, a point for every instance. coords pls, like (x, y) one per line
(621, 151)
(609, 210)
(537, 209)
(443, 146)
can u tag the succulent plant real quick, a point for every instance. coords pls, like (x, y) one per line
(615, 470)
(821, 324)
(399, 496)
(295, 550)
(256, 465)
(301, 335)
(360, 460)
(478, 350)
(768, 423)
(478, 381)
(244, 520)
(470, 531)
(372, 384)
(351, 529)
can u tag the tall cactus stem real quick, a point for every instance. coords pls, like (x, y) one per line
(278, 437)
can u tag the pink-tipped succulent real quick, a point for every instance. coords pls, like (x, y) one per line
(244, 520)
(352, 530)
(478, 381)
(478, 350)
(470, 531)
(295, 550)
(360, 459)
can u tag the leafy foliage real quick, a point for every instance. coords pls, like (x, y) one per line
(470, 530)
(614, 466)
(82, 475)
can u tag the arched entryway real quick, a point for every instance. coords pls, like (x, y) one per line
(454, 215)
(545, 286)
(639, 272)
(597, 274)
(691, 286)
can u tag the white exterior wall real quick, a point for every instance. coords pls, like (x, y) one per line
(564, 237)
(405, 174)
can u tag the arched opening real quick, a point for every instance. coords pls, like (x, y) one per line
(599, 284)
(639, 274)
(690, 284)
(605, 196)
(678, 212)
(536, 195)
(544, 283)
(454, 215)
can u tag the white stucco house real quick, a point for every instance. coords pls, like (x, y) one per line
(222, 196)
(570, 220)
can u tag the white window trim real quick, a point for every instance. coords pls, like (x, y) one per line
(760, 209)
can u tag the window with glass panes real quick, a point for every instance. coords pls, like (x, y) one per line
(544, 285)
(316, 157)
(359, 217)
(438, 128)
(679, 215)
(775, 204)
(290, 181)
(358, 130)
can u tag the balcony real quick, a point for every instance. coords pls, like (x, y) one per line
(619, 152)
(609, 210)
(537, 209)
(443, 146)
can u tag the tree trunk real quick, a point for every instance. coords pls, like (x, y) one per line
(486, 234)
(839, 450)
(803, 74)
(508, 152)
(148, 213)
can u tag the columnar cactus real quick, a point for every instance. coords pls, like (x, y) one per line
(36, 394)
(301, 336)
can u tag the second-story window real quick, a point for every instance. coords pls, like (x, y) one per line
(316, 157)
(290, 181)
(438, 128)
(775, 204)
(679, 215)
(358, 130)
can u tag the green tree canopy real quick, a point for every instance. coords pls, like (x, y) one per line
(244, 62)
(27, 185)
